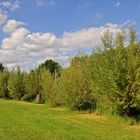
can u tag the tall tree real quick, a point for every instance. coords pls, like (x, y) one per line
(16, 85)
(51, 89)
(53, 67)
(116, 75)
(77, 86)
(107, 40)
(4, 92)
(34, 84)
(120, 38)
(132, 33)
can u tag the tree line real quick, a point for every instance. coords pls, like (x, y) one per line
(108, 80)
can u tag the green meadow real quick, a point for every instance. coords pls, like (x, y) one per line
(28, 121)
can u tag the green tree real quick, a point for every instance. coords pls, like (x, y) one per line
(107, 40)
(47, 85)
(1, 67)
(116, 75)
(78, 86)
(132, 33)
(16, 85)
(53, 67)
(4, 76)
(34, 85)
(120, 39)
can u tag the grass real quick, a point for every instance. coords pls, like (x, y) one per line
(26, 121)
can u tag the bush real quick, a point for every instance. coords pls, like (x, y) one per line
(78, 88)
(28, 97)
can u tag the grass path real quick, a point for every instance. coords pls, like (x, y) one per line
(26, 121)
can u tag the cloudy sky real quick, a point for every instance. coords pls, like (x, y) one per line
(35, 30)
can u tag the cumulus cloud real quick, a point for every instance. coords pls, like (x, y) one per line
(15, 40)
(29, 49)
(87, 38)
(12, 25)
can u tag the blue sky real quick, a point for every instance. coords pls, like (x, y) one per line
(35, 30)
(69, 15)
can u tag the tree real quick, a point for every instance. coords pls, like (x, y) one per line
(33, 85)
(77, 88)
(107, 40)
(116, 75)
(53, 67)
(1, 67)
(120, 38)
(4, 76)
(16, 85)
(47, 84)
(51, 89)
(132, 33)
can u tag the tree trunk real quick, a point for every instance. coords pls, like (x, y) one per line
(38, 98)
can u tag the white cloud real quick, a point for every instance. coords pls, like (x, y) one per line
(8, 5)
(118, 4)
(6, 24)
(42, 38)
(87, 38)
(15, 40)
(28, 49)
(12, 25)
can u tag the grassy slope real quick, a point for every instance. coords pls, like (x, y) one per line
(25, 121)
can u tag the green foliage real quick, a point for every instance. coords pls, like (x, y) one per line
(107, 40)
(53, 67)
(55, 97)
(16, 85)
(4, 76)
(47, 85)
(132, 33)
(77, 86)
(1, 67)
(116, 76)
(28, 97)
(120, 38)
(33, 83)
